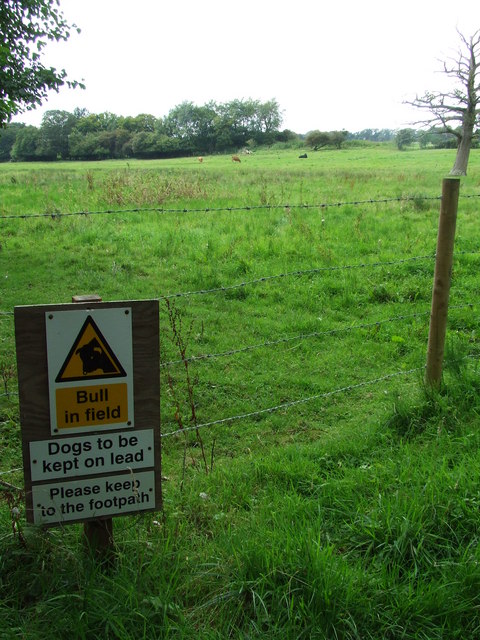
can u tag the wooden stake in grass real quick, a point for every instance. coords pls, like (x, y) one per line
(441, 280)
(98, 533)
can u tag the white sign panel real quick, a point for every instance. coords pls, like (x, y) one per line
(93, 498)
(89, 455)
(90, 369)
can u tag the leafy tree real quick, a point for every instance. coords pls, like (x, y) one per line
(7, 140)
(180, 121)
(404, 138)
(205, 129)
(142, 122)
(122, 147)
(337, 138)
(224, 139)
(95, 122)
(25, 28)
(268, 120)
(286, 136)
(81, 145)
(270, 116)
(145, 145)
(423, 138)
(55, 129)
(108, 121)
(27, 145)
(317, 139)
(193, 126)
(99, 145)
(106, 143)
(88, 123)
(373, 135)
(457, 112)
(239, 121)
(236, 122)
(436, 138)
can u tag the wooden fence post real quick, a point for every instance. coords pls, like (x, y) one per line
(98, 533)
(441, 281)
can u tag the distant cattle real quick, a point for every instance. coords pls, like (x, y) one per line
(200, 159)
(304, 155)
(235, 159)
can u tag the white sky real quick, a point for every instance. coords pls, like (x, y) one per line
(330, 64)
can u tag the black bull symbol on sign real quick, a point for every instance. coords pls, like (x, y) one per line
(94, 357)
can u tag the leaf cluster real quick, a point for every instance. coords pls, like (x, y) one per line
(26, 26)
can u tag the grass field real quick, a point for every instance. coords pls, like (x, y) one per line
(343, 501)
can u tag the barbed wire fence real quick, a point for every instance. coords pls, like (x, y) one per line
(257, 207)
(169, 210)
(6, 315)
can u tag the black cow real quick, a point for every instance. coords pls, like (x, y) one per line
(304, 155)
(93, 358)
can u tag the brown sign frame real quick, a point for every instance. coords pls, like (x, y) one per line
(33, 383)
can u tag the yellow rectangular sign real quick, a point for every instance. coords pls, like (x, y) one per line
(91, 406)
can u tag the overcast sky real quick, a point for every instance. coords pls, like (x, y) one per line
(330, 64)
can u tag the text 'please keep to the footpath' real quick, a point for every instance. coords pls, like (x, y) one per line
(97, 497)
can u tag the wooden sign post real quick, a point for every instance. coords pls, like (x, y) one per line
(98, 533)
(441, 281)
(88, 377)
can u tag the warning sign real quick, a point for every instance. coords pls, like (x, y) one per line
(90, 369)
(90, 357)
(91, 438)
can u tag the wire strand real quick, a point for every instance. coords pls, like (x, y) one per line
(289, 274)
(259, 207)
(303, 336)
(293, 403)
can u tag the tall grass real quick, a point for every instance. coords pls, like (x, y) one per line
(354, 515)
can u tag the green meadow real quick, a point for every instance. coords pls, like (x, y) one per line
(327, 493)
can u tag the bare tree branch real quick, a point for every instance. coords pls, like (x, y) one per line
(457, 112)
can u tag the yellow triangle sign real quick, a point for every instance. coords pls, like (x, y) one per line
(90, 357)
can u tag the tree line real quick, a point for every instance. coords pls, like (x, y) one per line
(188, 129)
(433, 137)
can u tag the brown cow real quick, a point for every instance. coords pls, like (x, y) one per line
(235, 159)
(200, 159)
